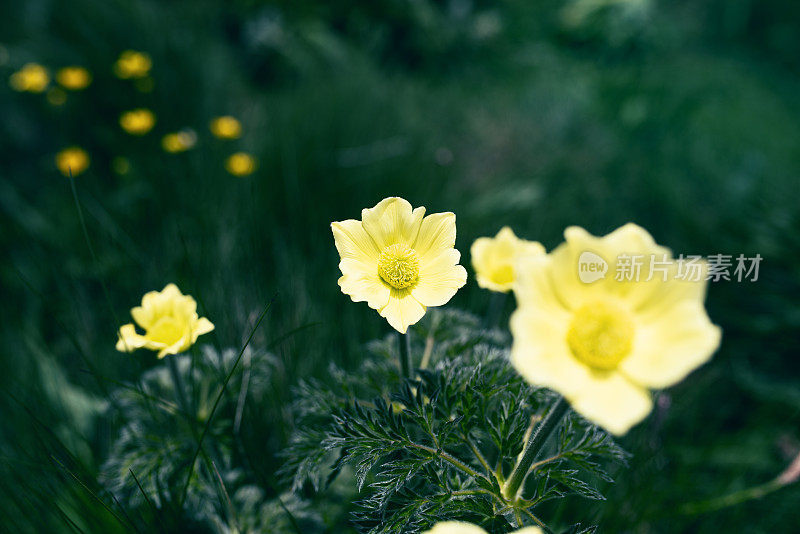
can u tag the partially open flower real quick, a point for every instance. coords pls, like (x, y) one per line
(240, 164)
(460, 527)
(604, 341)
(72, 161)
(32, 78)
(226, 127)
(494, 258)
(398, 262)
(170, 322)
(179, 141)
(137, 121)
(132, 64)
(74, 78)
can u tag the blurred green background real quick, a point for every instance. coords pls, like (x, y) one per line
(681, 116)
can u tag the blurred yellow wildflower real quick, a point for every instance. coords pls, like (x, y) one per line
(240, 164)
(74, 78)
(494, 258)
(398, 262)
(73, 159)
(604, 340)
(56, 96)
(459, 527)
(179, 141)
(132, 64)
(170, 321)
(32, 78)
(226, 127)
(138, 121)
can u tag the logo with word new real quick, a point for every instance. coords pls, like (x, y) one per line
(591, 267)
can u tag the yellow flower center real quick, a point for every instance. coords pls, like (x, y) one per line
(167, 330)
(601, 334)
(398, 266)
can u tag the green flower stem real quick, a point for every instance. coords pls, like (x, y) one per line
(404, 341)
(176, 379)
(535, 443)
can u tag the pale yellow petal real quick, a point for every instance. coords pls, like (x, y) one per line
(440, 279)
(628, 240)
(176, 348)
(128, 340)
(455, 527)
(363, 284)
(437, 233)
(533, 285)
(392, 221)
(402, 310)
(540, 353)
(612, 402)
(671, 345)
(203, 326)
(528, 530)
(494, 258)
(353, 242)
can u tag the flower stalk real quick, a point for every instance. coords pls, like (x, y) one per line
(405, 354)
(533, 447)
(178, 382)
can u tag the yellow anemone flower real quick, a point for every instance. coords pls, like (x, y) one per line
(494, 258)
(240, 164)
(179, 141)
(225, 127)
(132, 64)
(73, 160)
(138, 121)
(170, 321)
(74, 78)
(459, 527)
(604, 340)
(398, 262)
(32, 78)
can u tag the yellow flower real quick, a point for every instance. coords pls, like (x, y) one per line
(398, 262)
(74, 78)
(32, 77)
(169, 320)
(494, 258)
(72, 159)
(459, 527)
(178, 141)
(132, 64)
(240, 164)
(605, 341)
(138, 121)
(226, 127)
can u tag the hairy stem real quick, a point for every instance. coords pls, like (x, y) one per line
(404, 340)
(535, 443)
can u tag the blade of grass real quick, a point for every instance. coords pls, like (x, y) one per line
(217, 401)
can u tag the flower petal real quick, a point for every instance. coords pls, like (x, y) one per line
(202, 326)
(437, 233)
(402, 310)
(439, 279)
(455, 527)
(392, 221)
(128, 340)
(540, 352)
(670, 346)
(612, 402)
(363, 285)
(353, 242)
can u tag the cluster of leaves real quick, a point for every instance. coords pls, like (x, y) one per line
(440, 445)
(149, 464)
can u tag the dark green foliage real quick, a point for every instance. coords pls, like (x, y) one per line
(148, 463)
(438, 446)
